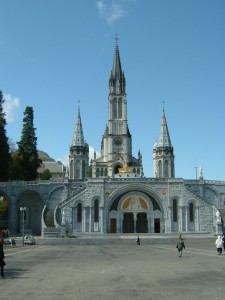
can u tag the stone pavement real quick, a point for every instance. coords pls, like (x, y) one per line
(114, 267)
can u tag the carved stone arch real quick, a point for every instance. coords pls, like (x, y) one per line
(174, 197)
(32, 215)
(135, 201)
(142, 188)
(135, 205)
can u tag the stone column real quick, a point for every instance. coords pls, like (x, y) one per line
(121, 222)
(90, 218)
(152, 221)
(197, 219)
(84, 219)
(101, 220)
(170, 218)
(135, 221)
(186, 218)
(180, 219)
(118, 222)
(149, 221)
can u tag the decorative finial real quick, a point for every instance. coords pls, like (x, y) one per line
(79, 105)
(117, 38)
(163, 102)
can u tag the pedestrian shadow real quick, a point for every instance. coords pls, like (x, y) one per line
(16, 273)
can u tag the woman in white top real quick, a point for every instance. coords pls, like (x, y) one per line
(219, 245)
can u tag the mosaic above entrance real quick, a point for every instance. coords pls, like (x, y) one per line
(134, 203)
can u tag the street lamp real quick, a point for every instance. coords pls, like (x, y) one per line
(23, 209)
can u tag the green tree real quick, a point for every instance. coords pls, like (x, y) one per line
(46, 175)
(16, 168)
(4, 145)
(27, 148)
(4, 204)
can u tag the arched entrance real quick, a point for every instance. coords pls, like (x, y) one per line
(128, 223)
(157, 225)
(135, 212)
(142, 223)
(33, 206)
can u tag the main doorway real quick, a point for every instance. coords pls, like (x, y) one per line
(157, 225)
(142, 223)
(128, 223)
(113, 226)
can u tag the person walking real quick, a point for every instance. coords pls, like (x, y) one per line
(180, 245)
(138, 240)
(219, 244)
(2, 256)
(223, 240)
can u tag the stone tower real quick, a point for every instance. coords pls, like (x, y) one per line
(79, 153)
(163, 157)
(116, 147)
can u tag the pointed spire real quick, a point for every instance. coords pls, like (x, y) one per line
(117, 82)
(116, 70)
(164, 138)
(78, 139)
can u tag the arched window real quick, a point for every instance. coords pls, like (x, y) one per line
(96, 211)
(97, 172)
(166, 173)
(160, 169)
(114, 109)
(120, 109)
(191, 212)
(174, 210)
(77, 169)
(83, 169)
(79, 212)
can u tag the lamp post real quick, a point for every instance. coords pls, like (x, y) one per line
(23, 209)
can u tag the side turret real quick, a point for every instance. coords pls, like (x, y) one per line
(79, 153)
(163, 156)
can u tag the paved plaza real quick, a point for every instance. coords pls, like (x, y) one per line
(114, 267)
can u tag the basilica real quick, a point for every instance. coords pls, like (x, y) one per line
(110, 194)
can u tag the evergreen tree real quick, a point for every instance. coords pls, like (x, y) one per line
(27, 148)
(4, 145)
(46, 175)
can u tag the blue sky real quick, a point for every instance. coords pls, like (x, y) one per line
(55, 53)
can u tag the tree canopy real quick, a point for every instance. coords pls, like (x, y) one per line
(28, 159)
(4, 145)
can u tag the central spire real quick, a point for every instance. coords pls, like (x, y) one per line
(117, 82)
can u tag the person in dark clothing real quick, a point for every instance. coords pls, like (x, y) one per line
(138, 241)
(223, 240)
(180, 245)
(2, 256)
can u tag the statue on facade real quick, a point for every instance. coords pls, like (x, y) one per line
(201, 175)
(218, 217)
(63, 218)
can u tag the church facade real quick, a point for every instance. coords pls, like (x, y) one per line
(117, 198)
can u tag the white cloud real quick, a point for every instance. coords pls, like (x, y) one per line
(110, 13)
(11, 106)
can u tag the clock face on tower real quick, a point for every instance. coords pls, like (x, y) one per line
(117, 141)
